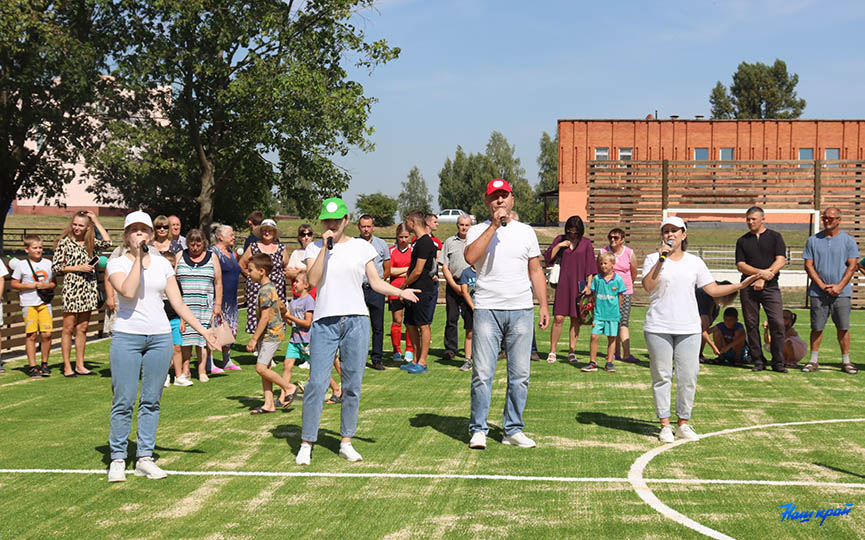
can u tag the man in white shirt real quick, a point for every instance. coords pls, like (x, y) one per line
(174, 223)
(506, 256)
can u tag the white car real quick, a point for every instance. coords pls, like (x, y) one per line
(451, 215)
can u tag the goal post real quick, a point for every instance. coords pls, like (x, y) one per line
(812, 213)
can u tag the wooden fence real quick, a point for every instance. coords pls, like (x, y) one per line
(633, 194)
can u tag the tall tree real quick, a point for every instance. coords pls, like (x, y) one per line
(462, 182)
(245, 81)
(548, 174)
(381, 207)
(508, 167)
(758, 91)
(414, 195)
(51, 57)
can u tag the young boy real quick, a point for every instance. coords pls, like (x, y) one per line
(30, 276)
(608, 288)
(467, 281)
(299, 315)
(729, 338)
(268, 335)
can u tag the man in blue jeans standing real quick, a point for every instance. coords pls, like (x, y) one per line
(506, 255)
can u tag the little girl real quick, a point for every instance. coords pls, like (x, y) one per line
(794, 347)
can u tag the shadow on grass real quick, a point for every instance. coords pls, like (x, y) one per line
(326, 438)
(455, 427)
(634, 425)
(837, 469)
(132, 450)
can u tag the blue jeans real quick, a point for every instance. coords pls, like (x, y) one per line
(133, 356)
(349, 334)
(511, 329)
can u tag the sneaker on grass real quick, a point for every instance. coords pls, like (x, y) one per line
(685, 431)
(417, 368)
(666, 434)
(347, 451)
(591, 366)
(117, 470)
(467, 365)
(518, 439)
(183, 380)
(397, 357)
(146, 467)
(304, 454)
(409, 356)
(478, 441)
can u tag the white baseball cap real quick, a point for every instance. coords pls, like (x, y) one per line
(675, 221)
(137, 217)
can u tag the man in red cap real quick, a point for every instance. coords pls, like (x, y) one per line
(506, 256)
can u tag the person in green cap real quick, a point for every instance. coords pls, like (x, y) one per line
(337, 265)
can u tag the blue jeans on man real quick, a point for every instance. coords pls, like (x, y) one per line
(494, 328)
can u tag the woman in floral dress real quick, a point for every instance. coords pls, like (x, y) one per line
(270, 245)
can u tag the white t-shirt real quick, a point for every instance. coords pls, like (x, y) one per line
(503, 271)
(3, 270)
(295, 260)
(23, 274)
(673, 304)
(145, 314)
(339, 290)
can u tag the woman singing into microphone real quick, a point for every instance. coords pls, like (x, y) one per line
(672, 329)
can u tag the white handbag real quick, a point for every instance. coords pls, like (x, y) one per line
(553, 278)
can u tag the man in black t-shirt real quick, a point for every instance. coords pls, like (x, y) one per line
(419, 316)
(762, 251)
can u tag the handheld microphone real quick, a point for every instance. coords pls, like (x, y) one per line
(504, 222)
(144, 248)
(668, 243)
(330, 243)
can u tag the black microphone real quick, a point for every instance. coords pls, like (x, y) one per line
(144, 248)
(330, 243)
(504, 221)
(668, 243)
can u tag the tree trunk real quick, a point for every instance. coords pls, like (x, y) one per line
(8, 192)
(205, 198)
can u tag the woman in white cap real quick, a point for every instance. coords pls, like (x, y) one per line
(268, 244)
(337, 265)
(672, 329)
(142, 344)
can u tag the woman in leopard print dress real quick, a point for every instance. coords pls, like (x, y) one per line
(72, 253)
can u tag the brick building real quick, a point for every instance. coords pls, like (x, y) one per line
(581, 141)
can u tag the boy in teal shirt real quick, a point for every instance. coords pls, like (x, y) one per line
(607, 288)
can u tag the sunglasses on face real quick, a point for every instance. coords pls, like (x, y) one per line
(614, 237)
(309, 233)
(164, 227)
(572, 232)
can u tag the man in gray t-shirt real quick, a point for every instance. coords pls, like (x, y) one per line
(375, 301)
(453, 263)
(831, 258)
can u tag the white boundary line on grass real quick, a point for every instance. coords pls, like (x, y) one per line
(635, 476)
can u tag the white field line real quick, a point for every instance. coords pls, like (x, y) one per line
(640, 484)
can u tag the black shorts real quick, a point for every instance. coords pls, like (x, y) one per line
(421, 313)
(396, 304)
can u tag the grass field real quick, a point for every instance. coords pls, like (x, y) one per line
(590, 429)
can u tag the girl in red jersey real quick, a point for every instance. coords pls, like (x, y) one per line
(400, 260)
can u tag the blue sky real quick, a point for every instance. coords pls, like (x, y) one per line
(471, 67)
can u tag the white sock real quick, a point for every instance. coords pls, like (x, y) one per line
(845, 358)
(814, 356)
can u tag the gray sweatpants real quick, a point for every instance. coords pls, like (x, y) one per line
(664, 349)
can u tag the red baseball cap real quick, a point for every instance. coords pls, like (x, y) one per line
(498, 184)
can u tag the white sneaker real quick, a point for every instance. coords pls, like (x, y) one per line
(117, 471)
(203, 377)
(167, 381)
(479, 440)
(518, 439)
(685, 431)
(146, 467)
(347, 451)
(183, 380)
(303, 455)
(304, 365)
(666, 434)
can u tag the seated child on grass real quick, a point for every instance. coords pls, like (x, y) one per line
(795, 347)
(728, 338)
(30, 276)
(268, 335)
(608, 288)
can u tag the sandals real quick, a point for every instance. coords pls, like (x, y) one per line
(551, 358)
(288, 401)
(849, 368)
(334, 399)
(572, 358)
(811, 367)
(260, 410)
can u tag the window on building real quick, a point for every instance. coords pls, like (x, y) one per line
(806, 154)
(602, 153)
(833, 154)
(626, 154)
(701, 154)
(726, 154)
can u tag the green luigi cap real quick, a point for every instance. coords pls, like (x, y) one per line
(333, 208)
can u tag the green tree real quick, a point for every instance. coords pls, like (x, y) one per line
(229, 84)
(758, 91)
(414, 195)
(462, 182)
(508, 167)
(381, 207)
(548, 175)
(51, 57)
